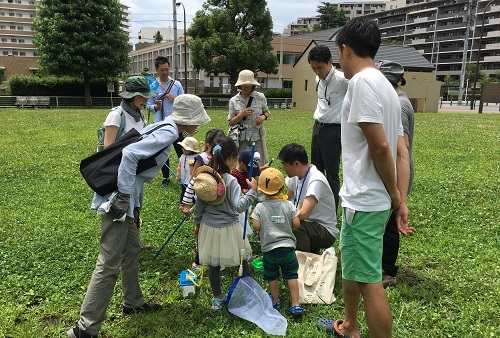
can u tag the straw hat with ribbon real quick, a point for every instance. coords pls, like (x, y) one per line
(209, 185)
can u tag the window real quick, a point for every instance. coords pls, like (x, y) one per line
(19, 15)
(22, 53)
(11, 14)
(305, 87)
(15, 53)
(2, 27)
(5, 52)
(4, 39)
(2, 13)
(12, 27)
(20, 28)
(21, 41)
(13, 40)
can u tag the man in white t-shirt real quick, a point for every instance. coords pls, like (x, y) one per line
(311, 194)
(372, 136)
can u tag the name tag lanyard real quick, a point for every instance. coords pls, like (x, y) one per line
(296, 198)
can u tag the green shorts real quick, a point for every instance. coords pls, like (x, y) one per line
(283, 258)
(361, 244)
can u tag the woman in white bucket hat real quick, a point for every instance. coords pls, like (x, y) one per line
(249, 110)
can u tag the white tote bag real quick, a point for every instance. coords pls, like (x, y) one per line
(317, 276)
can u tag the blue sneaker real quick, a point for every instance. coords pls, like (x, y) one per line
(276, 305)
(295, 311)
(218, 303)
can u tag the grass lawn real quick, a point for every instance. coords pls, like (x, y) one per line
(449, 283)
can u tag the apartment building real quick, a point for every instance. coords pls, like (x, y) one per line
(18, 54)
(352, 9)
(440, 30)
(290, 48)
(16, 30)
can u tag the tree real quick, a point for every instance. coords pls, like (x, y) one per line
(329, 16)
(81, 39)
(229, 36)
(158, 37)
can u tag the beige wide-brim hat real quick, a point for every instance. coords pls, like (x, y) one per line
(246, 77)
(189, 111)
(209, 185)
(189, 143)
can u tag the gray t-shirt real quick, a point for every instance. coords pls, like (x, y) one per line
(407, 119)
(275, 217)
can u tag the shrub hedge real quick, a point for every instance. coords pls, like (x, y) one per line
(55, 86)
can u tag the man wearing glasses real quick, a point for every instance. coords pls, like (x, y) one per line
(162, 105)
(331, 86)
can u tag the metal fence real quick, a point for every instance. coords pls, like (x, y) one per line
(79, 101)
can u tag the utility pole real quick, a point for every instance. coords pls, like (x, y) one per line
(469, 18)
(174, 52)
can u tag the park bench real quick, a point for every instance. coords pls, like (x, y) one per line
(33, 101)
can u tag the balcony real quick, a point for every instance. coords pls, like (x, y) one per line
(493, 34)
(492, 46)
(417, 41)
(9, 19)
(17, 46)
(16, 32)
(25, 7)
(419, 20)
(495, 58)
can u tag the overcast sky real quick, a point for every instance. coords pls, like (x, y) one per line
(155, 13)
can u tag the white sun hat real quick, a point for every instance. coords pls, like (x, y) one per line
(246, 77)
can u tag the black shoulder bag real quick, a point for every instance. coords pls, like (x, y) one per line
(100, 170)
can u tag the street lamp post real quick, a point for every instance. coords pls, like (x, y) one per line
(174, 53)
(185, 49)
(473, 100)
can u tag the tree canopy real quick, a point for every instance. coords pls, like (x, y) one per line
(81, 39)
(229, 36)
(329, 16)
(158, 37)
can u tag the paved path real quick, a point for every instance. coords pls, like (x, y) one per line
(491, 108)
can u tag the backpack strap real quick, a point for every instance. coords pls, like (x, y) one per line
(122, 122)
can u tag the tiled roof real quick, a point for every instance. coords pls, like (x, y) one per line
(407, 56)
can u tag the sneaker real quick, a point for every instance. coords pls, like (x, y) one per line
(77, 333)
(295, 311)
(388, 280)
(145, 308)
(218, 303)
(165, 182)
(276, 305)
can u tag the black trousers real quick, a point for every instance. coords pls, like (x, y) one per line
(390, 247)
(178, 150)
(325, 154)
